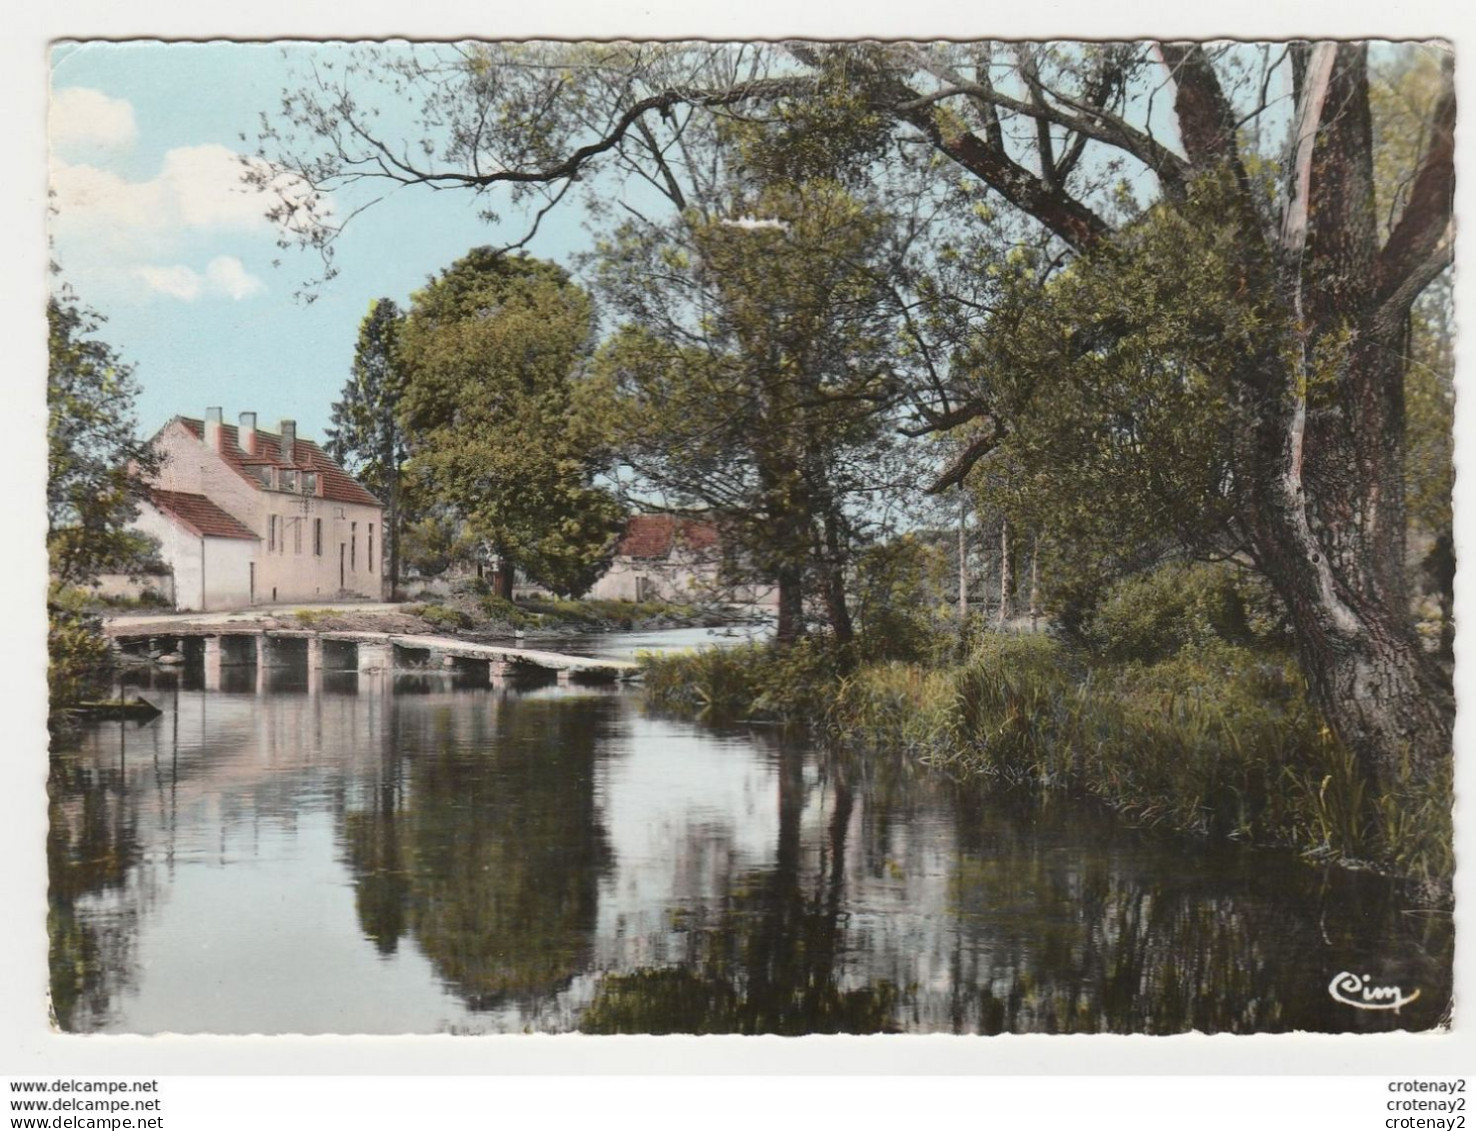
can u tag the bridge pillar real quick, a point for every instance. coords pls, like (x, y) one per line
(236, 648)
(564, 675)
(499, 669)
(213, 657)
(375, 657)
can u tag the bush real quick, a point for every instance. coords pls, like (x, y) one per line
(902, 602)
(80, 660)
(751, 681)
(442, 618)
(1152, 616)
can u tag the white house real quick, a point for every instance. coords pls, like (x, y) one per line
(246, 517)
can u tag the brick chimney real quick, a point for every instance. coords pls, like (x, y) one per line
(288, 429)
(247, 433)
(212, 429)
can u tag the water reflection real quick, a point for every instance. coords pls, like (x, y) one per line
(486, 846)
(768, 959)
(410, 854)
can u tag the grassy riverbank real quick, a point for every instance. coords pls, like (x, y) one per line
(1218, 740)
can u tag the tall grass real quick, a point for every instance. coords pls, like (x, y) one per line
(1219, 740)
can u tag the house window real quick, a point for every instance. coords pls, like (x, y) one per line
(289, 480)
(309, 482)
(297, 536)
(353, 546)
(317, 537)
(370, 559)
(271, 532)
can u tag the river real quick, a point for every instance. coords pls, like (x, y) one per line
(420, 854)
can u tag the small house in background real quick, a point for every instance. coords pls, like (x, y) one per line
(663, 557)
(248, 517)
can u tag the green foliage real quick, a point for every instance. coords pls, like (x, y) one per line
(836, 131)
(1117, 383)
(96, 468)
(1152, 616)
(80, 661)
(365, 435)
(502, 611)
(751, 681)
(435, 541)
(442, 617)
(901, 608)
(507, 429)
(602, 614)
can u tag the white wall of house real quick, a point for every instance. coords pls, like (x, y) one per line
(209, 573)
(181, 549)
(228, 564)
(189, 466)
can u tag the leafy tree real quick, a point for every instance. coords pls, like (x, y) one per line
(505, 426)
(1313, 292)
(96, 475)
(97, 470)
(754, 381)
(366, 435)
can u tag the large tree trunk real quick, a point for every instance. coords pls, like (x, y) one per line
(963, 555)
(1326, 483)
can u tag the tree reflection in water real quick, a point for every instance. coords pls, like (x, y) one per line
(486, 845)
(92, 854)
(767, 960)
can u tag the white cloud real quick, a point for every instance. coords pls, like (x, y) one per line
(83, 117)
(198, 188)
(177, 282)
(224, 276)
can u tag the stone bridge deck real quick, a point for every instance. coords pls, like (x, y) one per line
(234, 643)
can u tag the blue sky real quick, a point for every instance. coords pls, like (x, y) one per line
(153, 230)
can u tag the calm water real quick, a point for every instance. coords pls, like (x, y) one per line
(415, 855)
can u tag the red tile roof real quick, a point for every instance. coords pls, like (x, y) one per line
(656, 535)
(199, 515)
(334, 483)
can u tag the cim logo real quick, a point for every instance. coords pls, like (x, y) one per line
(1357, 991)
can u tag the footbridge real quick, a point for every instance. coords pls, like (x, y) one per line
(231, 644)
